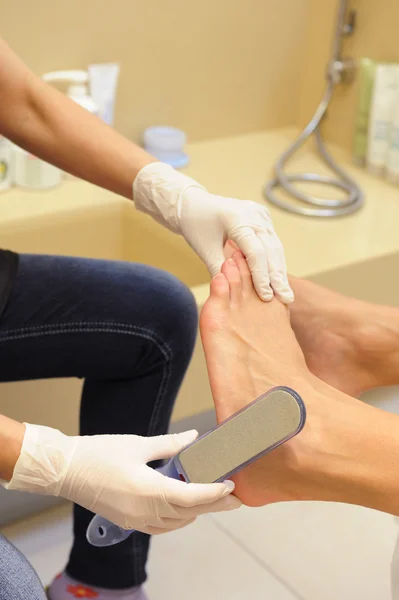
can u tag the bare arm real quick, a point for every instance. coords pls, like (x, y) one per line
(11, 436)
(45, 122)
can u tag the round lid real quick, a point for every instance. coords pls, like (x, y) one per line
(164, 138)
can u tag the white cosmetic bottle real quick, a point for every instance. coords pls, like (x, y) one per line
(6, 160)
(32, 173)
(103, 83)
(381, 117)
(393, 158)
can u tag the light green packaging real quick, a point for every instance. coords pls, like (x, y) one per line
(366, 82)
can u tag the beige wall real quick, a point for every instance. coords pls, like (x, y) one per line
(376, 36)
(212, 67)
(215, 67)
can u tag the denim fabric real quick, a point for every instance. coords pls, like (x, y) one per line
(129, 331)
(18, 579)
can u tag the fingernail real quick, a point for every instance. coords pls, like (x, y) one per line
(191, 432)
(287, 298)
(232, 503)
(189, 436)
(267, 297)
(230, 485)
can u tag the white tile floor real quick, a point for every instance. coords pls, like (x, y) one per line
(307, 551)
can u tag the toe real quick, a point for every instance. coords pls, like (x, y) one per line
(216, 309)
(245, 273)
(220, 288)
(232, 274)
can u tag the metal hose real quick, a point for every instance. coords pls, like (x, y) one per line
(322, 207)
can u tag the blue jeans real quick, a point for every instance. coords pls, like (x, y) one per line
(18, 579)
(129, 331)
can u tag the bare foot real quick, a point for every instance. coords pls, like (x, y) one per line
(250, 347)
(269, 351)
(330, 331)
(350, 344)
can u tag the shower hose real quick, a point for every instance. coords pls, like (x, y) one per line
(317, 207)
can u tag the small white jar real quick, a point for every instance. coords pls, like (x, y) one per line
(167, 145)
(6, 159)
(33, 173)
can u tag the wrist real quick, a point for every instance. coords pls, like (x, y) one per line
(43, 462)
(12, 435)
(158, 191)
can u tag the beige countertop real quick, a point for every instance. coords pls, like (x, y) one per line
(239, 167)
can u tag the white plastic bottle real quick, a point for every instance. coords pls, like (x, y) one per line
(393, 158)
(382, 112)
(30, 172)
(77, 87)
(6, 158)
(103, 83)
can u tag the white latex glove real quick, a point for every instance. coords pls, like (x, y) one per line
(108, 474)
(207, 222)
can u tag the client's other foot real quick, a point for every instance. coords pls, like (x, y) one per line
(339, 455)
(350, 344)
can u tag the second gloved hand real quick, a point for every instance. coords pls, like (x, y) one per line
(108, 474)
(207, 221)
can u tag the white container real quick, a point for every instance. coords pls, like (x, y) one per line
(33, 173)
(103, 83)
(167, 144)
(381, 116)
(393, 158)
(6, 160)
(77, 88)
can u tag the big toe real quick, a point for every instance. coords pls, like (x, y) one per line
(231, 271)
(220, 289)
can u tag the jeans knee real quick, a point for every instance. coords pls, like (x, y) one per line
(18, 579)
(181, 313)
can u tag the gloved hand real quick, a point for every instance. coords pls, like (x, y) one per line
(207, 222)
(108, 474)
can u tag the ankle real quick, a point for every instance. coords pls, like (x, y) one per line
(65, 587)
(374, 334)
(368, 338)
(347, 447)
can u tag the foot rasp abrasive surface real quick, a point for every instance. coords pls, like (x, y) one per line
(255, 430)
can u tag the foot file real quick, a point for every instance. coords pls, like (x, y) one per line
(265, 424)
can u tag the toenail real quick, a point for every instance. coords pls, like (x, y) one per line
(266, 296)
